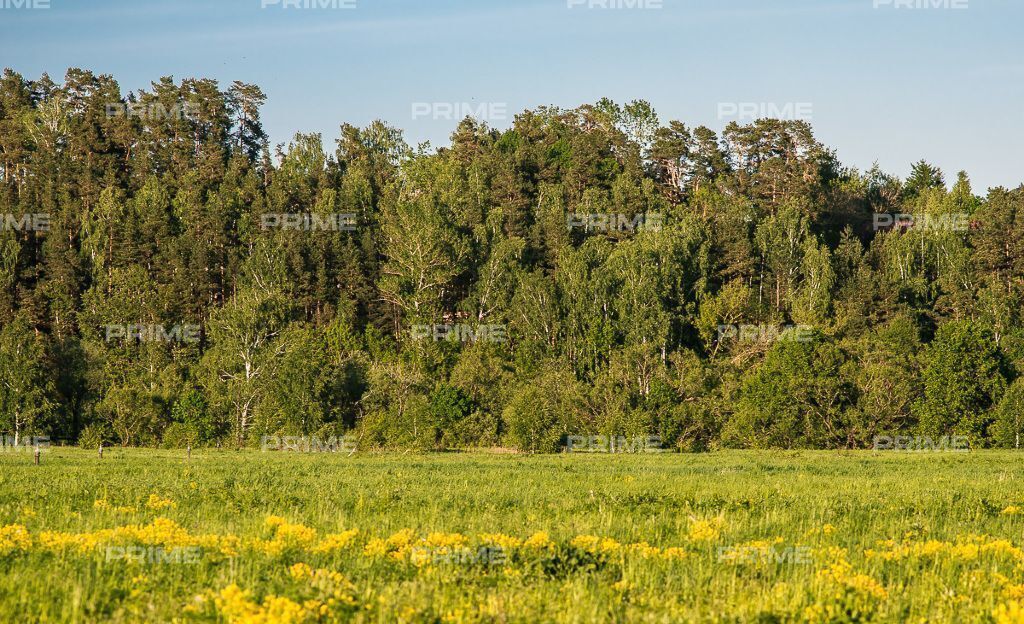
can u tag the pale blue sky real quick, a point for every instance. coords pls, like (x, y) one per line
(885, 84)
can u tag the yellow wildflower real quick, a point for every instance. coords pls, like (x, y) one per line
(334, 542)
(841, 572)
(596, 545)
(296, 533)
(505, 542)
(445, 540)
(539, 541)
(300, 571)
(645, 550)
(103, 505)
(237, 606)
(706, 530)
(14, 537)
(586, 542)
(674, 553)
(376, 547)
(157, 503)
(403, 538)
(1011, 612)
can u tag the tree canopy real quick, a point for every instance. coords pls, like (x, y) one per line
(585, 271)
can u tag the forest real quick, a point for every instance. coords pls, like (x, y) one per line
(169, 278)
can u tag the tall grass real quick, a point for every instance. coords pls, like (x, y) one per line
(806, 506)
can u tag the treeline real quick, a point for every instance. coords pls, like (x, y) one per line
(165, 278)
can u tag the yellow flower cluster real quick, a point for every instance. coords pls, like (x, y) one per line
(287, 535)
(103, 505)
(705, 530)
(1011, 612)
(596, 545)
(397, 547)
(445, 540)
(964, 548)
(334, 542)
(341, 590)
(502, 541)
(607, 546)
(824, 530)
(753, 551)
(1010, 589)
(856, 595)
(160, 532)
(237, 606)
(539, 541)
(673, 552)
(157, 503)
(406, 546)
(154, 503)
(284, 536)
(14, 537)
(840, 572)
(333, 591)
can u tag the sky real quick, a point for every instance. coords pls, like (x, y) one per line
(941, 80)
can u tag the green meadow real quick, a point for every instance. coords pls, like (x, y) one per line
(744, 536)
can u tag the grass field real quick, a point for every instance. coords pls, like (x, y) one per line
(733, 536)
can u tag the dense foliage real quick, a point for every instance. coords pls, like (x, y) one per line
(156, 205)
